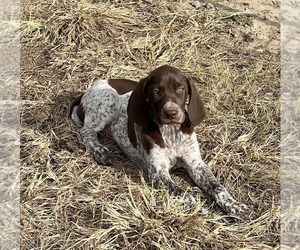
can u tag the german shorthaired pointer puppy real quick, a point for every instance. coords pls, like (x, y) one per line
(152, 121)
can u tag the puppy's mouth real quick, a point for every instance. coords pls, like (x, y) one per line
(175, 119)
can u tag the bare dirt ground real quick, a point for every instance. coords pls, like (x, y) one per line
(265, 28)
(229, 48)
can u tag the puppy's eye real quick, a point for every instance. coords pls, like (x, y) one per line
(156, 91)
(180, 89)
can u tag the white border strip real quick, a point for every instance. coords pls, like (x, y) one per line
(9, 125)
(290, 124)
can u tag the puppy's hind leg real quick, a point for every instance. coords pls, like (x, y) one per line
(98, 108)
(100, 152)
(96, 119)
(88, 132)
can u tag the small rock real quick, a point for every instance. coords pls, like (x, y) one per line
(209, 6)
(196, 4)
(231, 32)
(247, 38)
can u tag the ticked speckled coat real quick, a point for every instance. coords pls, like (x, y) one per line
(152, 121)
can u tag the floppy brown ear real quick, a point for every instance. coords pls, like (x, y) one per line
(138, 108)
(196, 110)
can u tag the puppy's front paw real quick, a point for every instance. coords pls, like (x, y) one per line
(188, 199)
(102, 156)
(230, 205)
(239, 209)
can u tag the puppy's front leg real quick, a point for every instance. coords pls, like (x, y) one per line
(158, 171)
(162, 178)
(206, 181)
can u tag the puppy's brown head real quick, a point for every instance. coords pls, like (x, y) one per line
(162, 98)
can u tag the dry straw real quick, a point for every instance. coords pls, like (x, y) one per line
(70, 202)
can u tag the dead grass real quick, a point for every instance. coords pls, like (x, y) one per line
(69, 202)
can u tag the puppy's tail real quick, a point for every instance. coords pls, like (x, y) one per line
(76, 102)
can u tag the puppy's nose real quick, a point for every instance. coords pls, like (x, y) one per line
(171, 113)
